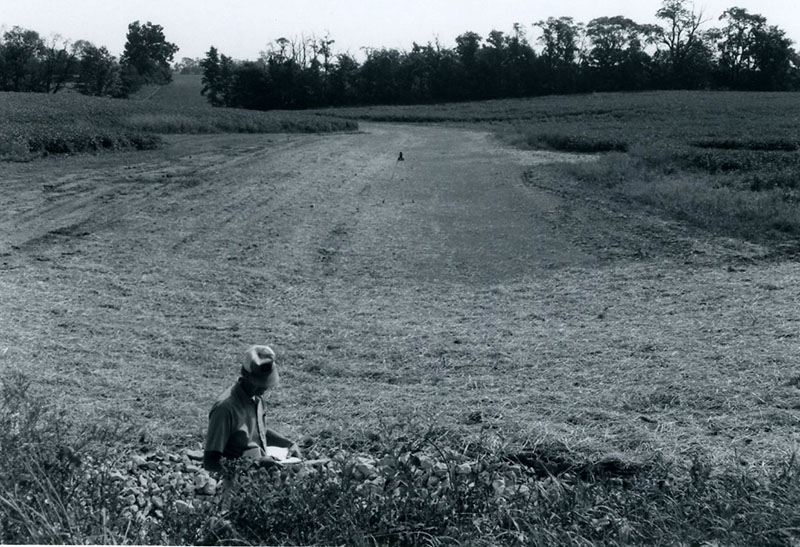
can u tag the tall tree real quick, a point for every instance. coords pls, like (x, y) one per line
(777, 64)
(98, 70)
(736, 43)
(217, 78)
(616, 59)
(561, 44)
(147, 56)
(22, 53)
(687, 56)
(58, 64)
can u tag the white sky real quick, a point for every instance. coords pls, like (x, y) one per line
(242, 28)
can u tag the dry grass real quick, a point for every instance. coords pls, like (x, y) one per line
(140, 279)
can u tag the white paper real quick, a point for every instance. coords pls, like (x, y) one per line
(281, 455)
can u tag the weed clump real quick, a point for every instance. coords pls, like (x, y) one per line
(580, 144)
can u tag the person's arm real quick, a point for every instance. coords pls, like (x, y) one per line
(219, 431)
(276, 439)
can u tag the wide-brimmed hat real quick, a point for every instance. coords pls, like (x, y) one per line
(259, 365)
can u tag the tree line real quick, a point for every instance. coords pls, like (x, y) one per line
(608, 54)
(743, 52)
(31, 63)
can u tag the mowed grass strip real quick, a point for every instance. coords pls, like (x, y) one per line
(725, 161)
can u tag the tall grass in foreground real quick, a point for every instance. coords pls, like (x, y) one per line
(57, 487)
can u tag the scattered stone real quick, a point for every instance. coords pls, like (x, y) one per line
(196, 455)
(183, 506)
(464, 469)
(440, 470)
(366, 469)
(425, 462)
(116, 476)
(139, 461)
(157, 501)
(388, 462)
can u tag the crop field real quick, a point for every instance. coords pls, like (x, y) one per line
(37, 124)
(559, 321)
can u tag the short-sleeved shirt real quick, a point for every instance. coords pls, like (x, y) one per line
(236, 425)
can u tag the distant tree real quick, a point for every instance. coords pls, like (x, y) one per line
(688, 57)
(58, 64)
(378, 77)
(250, 87)
(736, 43)
(22, 53)
(344, 81)
(520, 66)
(560, 47)
(616, 59)
(218, 74)
(467, 46)
(188, 65)
(777, 64)
(491, 66)
(98, 71)
(147, 56)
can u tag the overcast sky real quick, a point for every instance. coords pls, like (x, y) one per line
(242, 28)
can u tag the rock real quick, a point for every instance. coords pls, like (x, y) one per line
(440, 470)
(196, 455)
(116, 476)
(387, 463)
(425, 462)
(433, 481)
(183, 506)
(135, 490)
(499, 486)
(375, 485)
(143, 481)
(141, 501)
(130, 499)
(200, 481)
(157, 501)
(366, 470)
(139, 461)
(192, 468)
(209, 488)
(464, 469)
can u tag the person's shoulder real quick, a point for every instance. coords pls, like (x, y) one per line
(225, 399)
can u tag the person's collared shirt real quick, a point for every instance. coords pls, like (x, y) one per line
(236, 425)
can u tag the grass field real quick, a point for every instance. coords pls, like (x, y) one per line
(66, 123)
(729, 162)
(494, 346)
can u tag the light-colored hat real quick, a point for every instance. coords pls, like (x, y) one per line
(259, 365)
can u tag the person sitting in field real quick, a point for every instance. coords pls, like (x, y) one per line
(236, 422)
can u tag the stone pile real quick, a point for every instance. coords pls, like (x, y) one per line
(147, 481)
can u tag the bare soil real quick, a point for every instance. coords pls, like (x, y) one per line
(461, 288)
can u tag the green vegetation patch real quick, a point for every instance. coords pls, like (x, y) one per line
(581, 144)
(67, 486)
(66, 123)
